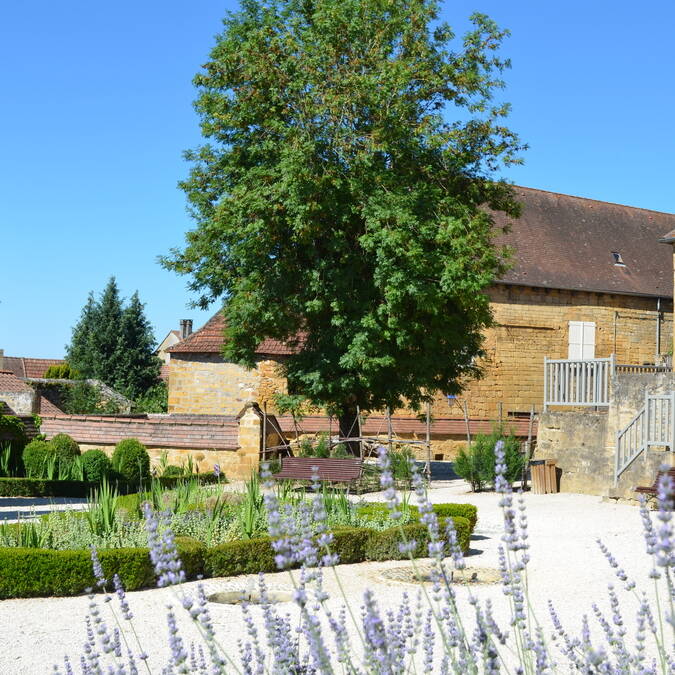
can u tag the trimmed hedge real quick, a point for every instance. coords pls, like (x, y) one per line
(96, 464)
(28, 572)
(37, 572)
(42, 487)
(131, 459)
(468, 511)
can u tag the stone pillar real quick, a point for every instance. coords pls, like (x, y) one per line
(250, 440)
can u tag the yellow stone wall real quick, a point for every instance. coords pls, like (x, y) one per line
(533, 323)
(530, 323)
(204, 384)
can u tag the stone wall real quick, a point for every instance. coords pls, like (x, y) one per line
(206, 384)
(583, 443)
(233, 443)
(530, 324)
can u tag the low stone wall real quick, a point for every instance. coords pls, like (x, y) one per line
(583, 442)
(231, 442)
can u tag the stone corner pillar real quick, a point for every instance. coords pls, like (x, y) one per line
(250, 440)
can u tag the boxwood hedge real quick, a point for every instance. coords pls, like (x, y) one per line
(29, 572)
(42, 487)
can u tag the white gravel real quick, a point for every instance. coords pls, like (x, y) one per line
(567, 567)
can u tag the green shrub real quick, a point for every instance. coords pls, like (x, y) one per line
(477, 463)
(400, 463)
(468, 511)
(13, 431)
(41, 487)
(97, 465)
(172, 471)
(131, 460)
(35, 457)
(30, 572)
(350, 543)
(62, 371)
(65, 447)
(245, 556)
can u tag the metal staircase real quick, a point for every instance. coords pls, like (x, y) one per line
(654, 425)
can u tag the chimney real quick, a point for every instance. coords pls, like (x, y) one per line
(185, 328)
(2, 359)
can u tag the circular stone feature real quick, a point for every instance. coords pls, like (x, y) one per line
(422, 574)
(250, 596)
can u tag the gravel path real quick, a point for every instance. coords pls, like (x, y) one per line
(567, 567)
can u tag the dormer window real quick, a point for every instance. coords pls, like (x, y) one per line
(618, 260)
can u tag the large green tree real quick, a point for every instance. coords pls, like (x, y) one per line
(114, 343)
(351, 152)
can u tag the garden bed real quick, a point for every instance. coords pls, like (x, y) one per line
(218, 535)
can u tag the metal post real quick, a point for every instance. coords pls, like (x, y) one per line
(427, 468)
(466, 422)
(545, 383)
(264, 438)
(390, 431)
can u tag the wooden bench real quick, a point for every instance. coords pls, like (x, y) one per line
(651, 490)
(346, 470)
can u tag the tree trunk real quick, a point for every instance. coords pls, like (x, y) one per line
(349, 428)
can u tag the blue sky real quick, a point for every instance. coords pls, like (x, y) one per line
(97, 109)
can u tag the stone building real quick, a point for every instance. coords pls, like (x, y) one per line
(588, 279)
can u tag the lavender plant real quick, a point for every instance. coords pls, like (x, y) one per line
(428, 633)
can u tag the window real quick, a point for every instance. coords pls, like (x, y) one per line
(581, 344)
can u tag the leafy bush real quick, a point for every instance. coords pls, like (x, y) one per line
(65, 448)
(131, 460)
(35, 457)
(377, 510)
(62, 371)
(84, 398)
(97, 465)
(246, 556)
(42, 487)
(30, 572)
(13, 431)
(172, 471)
(400, 463)
(351, 543)
(477, 463)
(153, 400)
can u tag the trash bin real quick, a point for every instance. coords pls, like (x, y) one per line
(544, 478)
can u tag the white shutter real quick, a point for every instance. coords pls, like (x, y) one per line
(576, 340)
(581, 343)
(588, 349)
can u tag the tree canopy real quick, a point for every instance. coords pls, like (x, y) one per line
(113, 342)
(351, 149)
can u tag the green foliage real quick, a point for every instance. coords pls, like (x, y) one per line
(247, 556)
(153, 400)
(85, 398)
(96, 464)
(65, 448)
(401, 468)
(101, 512)
(467, 511)
(13, 432)
(35, 456)
(40, 487)
(341, 194)
(113, 343)
(171, 470)
(62, 371)
(477, 463)
(251, 514)
(130, 459)
(29, 572)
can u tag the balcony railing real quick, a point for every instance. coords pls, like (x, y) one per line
(577, 383)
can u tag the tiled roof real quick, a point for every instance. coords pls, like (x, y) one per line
(567, 242)
(377, 425)
(48, 408)
(209, 339)
(27, 367)
(559, 241)
(10, 382)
